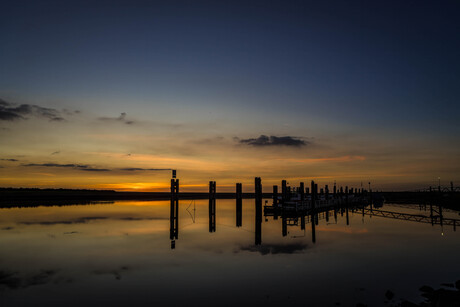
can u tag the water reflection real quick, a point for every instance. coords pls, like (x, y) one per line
(102, 250)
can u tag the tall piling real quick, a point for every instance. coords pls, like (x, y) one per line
(239, 205)
(302, 192)
(283, 191)
(275, 196)
(258, 204)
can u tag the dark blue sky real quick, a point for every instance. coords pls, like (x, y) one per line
(398, 59)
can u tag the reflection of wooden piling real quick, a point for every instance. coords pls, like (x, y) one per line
(239, 205)
(174, 211)
(258, 204)
(431, 215)
(348, 219)
(284, 225)
(313, 230)
(212, 206)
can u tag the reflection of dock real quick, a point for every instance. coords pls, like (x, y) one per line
(435, 218)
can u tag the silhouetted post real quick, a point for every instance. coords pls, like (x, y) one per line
(212, 206)
(283, 192)
(302, 221)
(452, 186)
(307, 191)
(239, 190)
(335, 189)
(302, 192)
(346, 196)
(327, 194)
(275, 196)
(313, 195)
(316, 193)
(239, 205)
(258, 203)
(174, 213)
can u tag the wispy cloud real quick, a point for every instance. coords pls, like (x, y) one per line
(13, 112)
(135, 169)
(55, 153)
(272, 140)
(328, 159)
(9, 160)
(89, 168)
(82, 167)
(121, 118)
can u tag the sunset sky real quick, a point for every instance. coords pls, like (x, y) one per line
(114, 94)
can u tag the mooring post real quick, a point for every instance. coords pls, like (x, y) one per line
(302, 192)
(283, 192)
(258, 203)
(346, 195)
(316, 193)
(275, 196)
(326, 188)
(452, 186)
(313, 195)
(239, 205)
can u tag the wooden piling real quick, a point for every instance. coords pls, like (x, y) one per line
(302, 192)
(258, 204)
(275, 195)
(239, 205)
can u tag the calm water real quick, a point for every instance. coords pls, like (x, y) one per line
(120, 254)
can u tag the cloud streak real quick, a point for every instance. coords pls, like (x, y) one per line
(272, 140)
(12, 112)
(135, 169)
(82, 167)
(89, 168)
(121, 118)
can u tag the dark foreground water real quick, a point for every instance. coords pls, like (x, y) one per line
(120, 255)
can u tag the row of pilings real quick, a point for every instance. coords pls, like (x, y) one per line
(279, 207)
